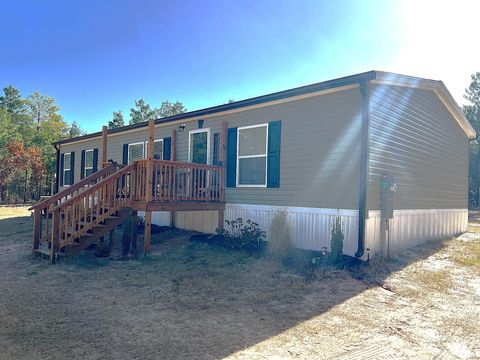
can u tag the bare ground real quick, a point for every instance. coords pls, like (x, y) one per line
(197, 301)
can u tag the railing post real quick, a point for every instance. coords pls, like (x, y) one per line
(104, 146)
(37, 228)
(223, 159)
(173, 145)
(54, 246)
(173, 157)
(149, 188)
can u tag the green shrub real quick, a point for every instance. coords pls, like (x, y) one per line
(279, 237)
(336, 240)
(240, 235)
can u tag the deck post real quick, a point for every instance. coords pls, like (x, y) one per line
(223, 160)
(55, 237)
(149, 186)
(104, 146)
(173, 145)
(133, 247)
(223, 144)
(220, 218)
(173, 158)
(37, 228)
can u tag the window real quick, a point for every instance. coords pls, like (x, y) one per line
(136, 152)
(158, 149)
(199, 146)
(67, 157)
(88, 162)
(252, 156)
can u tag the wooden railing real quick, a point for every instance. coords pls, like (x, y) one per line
(179, 181)
(79, 214)
(43, 209)
(72, 213)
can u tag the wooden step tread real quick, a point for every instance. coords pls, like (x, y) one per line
(44, 251)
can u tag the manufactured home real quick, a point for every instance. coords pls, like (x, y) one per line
(386, 152)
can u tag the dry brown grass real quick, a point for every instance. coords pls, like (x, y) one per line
(193, 300)
(280, 237)
(467, 254)
(13, 211)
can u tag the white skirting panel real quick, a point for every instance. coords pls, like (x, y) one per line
(413, 227)
(310, 227)
(160, 218)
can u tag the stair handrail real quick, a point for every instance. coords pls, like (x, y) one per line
(118, 173)
(87, 181)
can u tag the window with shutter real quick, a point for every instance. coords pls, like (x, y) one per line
(136, 152)
(88, 162)
(66, 169)
(252, 156)
(158, 149)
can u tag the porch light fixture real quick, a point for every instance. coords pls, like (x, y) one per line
(200, 124)
(181, 128)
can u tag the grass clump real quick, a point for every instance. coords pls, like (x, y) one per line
(279, 237)
(468, 255)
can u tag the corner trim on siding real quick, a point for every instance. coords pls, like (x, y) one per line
(363, 183)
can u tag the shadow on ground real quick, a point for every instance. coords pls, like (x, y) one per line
(186, 300)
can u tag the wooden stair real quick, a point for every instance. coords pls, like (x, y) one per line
(84, 241)
(94, 235)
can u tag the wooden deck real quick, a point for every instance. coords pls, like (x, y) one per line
(82, 213)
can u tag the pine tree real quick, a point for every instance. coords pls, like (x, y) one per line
(117, 121)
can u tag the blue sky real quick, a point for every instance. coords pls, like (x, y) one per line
(95, 57)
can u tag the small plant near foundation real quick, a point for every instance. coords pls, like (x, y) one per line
(279, 237)
(336, 240)
(243, 236)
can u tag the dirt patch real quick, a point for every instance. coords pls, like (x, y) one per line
(194, 300)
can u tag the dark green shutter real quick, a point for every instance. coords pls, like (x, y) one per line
(273, 159)
(60, 173)
(82, 165)
(95, 160)
(167, 146)
(125, 154)
(72, 167)
(232, 157)
(215, 149)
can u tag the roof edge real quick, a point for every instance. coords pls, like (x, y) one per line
(325, 85)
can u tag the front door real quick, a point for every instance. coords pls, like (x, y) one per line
(199, 146)
(199, 154)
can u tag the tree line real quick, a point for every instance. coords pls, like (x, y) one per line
(472, 113)
(28, 128)
(143, 112)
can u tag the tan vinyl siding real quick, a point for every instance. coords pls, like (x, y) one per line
(414, 138)
(320, 150)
